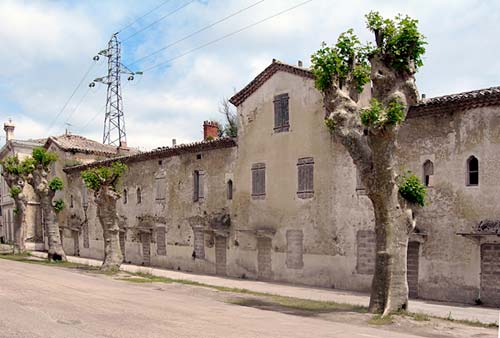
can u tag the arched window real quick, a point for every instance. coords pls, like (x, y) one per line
(139, 196)
(125, 196)
(428, 173)
(472, 171)
(230, 189)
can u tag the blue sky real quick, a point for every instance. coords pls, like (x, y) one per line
(47, 46)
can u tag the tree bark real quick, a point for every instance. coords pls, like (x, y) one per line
(373, 152)
(39, 181)
(106, 199)
(21, 205)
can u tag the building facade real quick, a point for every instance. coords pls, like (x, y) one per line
(283, 202)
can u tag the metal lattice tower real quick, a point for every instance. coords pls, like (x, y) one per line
(114, 120)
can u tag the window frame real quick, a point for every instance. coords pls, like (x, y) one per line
(305, 177)
(469, 171)
(198, 185)
(138, 193)
(229, 186)
(258, 173)
(281, 113)
(427, 177)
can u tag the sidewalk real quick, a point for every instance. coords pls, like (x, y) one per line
(443, 310)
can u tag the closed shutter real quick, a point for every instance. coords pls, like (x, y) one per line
(305, 175)
(259, 180)
(201, 183)
(281, 113)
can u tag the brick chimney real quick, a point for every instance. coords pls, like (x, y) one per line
(210, 130)
(9, 130)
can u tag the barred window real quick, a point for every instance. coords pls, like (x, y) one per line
(259, 181)
(305, 175)
(281, 113)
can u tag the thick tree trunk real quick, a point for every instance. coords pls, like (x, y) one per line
(106, 212)
(373, 151)
(20, 223)
(21, 205)
(56, 250)
(39, 181)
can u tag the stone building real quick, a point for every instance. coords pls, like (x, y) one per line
(34, 233)
(71, 150)
(283, 202)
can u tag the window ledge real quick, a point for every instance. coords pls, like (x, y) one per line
(305, 194)
(258, 197)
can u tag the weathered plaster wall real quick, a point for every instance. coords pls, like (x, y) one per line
(173, 175)
(329, 220)
(450, 264)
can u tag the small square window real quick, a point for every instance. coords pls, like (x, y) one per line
(198, 157)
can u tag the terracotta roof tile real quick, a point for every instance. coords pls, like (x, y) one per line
(162, 152)
(77, 143)
(255, 84)
(449, 103)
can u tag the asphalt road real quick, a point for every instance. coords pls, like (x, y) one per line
(40, 301)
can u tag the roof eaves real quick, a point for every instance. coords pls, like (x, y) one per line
(160, 153)
(265, 75)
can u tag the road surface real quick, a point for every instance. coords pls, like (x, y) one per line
(43, 301)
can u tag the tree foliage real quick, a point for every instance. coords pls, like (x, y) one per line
(346, 61)
(58, 205)
(398, 40)
(43, 157)
(12, 165)
(412, 189)
(379, 115)
(95, 178)
(15, 191)
(56, 184)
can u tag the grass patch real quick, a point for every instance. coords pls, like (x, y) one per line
(271, 300)
(28, 258)
(381, 320)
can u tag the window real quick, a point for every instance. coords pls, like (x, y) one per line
(259, 181)
(472, 171)
(71, 204)
(305, 175)
(160, 188)
(230, 190)
(85, 200)
(428, 173)
(198, 193)
(139, 196)
(125, 196)
(360, 187)
(281, 122)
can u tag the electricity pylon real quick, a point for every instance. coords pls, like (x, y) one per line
(114, 120)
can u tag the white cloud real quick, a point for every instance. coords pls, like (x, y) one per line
(48, 46)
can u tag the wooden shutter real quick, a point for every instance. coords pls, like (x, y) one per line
(201, 184)
(284, 112)
(259, 180)
(305, 175)
(277, 114)
(196, 185)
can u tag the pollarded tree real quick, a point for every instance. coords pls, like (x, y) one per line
(14, 173)
(370, 136)
(38, 178)
(104, 182)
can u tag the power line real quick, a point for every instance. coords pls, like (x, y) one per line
(78, 105)
(160, 19)
(71, 96)
(227, 35)
(142, 16)
(196, 32)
